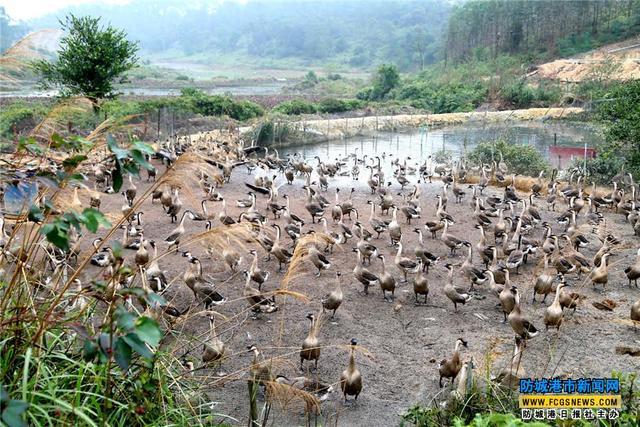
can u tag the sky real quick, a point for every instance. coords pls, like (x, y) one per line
(28, 9)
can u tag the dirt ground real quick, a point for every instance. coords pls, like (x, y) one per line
(401, 342)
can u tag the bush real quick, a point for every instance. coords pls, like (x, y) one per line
(296, 107)
(333, 105)
(20, 116)
(522, 95)
(443, 98)
(218, 105)
(521, 159)
(182, 77)
(601, 169)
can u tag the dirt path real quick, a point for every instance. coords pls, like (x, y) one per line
(403, 342)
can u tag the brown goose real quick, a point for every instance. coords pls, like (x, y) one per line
(214, 348)
(351, 380)
(333, 300)
(421, 286)
(363, 275)
(282, 255)
(424, 256)
(452, 242)
(256, 299)
(311, 344)
(633, 271)
(387, 281)
(519, 323)
(449, 368)
(452, 293)
(553, 313)
(404, 264)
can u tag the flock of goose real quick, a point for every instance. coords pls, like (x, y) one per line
(511, 235)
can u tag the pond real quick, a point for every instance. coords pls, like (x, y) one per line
(421, 143)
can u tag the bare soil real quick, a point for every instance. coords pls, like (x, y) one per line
(401, 342)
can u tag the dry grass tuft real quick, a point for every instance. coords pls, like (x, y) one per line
(285, 395)
(56, 120)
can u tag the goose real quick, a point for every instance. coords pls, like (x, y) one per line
(257, 275)
(433, 227)
(104, 258)
(223, 217)
(260, 371)
(246, 203)
(230, 256)
(421, 286)
(214, 349)
(457, 192)
(363, 275)
(174, 237)
(452, 242)
(153, 271)
(553, 314)
(350, 379)
(494, 287)
(485, 251)
(205, 215)
(336, 211)
(176, 205)
(366, 249)
(333, 300)
(313, 207)
(347, 205)
(202, 289)
(130, 192)
(473, 274)
(600, 274)
(282, 255)
(507, 300)
(537, 187)
(410, 213)
(633, 271)
(544, 281)
(142, 255)
(387, 281)
(449, 368)
(568, 299)
(441, 212)
(256, 299)
(386, 203)
(347, 232)
(289, 216)
(275, 208)
(378, 225)
(452, 293)
(166, 196)
(330, 238)
(424, 256)
(635, 312)
(319, 260)
(519, 323)
(372, 182)
(311, 344)
(310, 385)
(404, 264)
(516, 257)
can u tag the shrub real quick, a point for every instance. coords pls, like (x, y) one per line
(521, 159)
(296, 107)
(333, 105)
(182, 77)
(218, 105)
(21, 116)
(522, 95)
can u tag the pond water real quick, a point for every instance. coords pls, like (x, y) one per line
(421, 143)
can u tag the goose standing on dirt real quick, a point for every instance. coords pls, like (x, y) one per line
(421, 286)
(452, 242)
(282, 255)
(633, 271)
(395, 231)
(425, 257)
(600, 274)
(333, 300)
(635, 312)
(311, 344)
(214, 348)
(319, 260)
(174, 238)
(404, 264)
(351, 380)
(257, 275)
(257, 301)
(363, 275)
(313, 207)
(553, 314)
(387, 281)
(519, 323)
(378, 225)
(452, 293)
(472, 273)
(449, 368)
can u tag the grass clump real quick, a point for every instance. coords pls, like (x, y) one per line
(521, 159)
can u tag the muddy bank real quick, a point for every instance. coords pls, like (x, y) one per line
(319, 130)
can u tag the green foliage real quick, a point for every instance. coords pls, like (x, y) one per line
(521, 159)
(620, 114)
(12, 410)
(20, 115)
(296, 107)
(386, 78)
(90, 60)
(520, 94)
(334, 105)
(217, 105)
(442, 156)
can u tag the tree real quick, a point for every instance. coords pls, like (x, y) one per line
(387, 77)
(90, 61)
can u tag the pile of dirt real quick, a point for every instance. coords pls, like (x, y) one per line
(618, 62)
